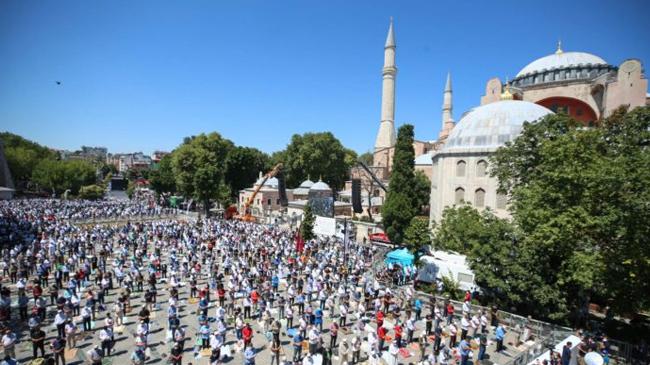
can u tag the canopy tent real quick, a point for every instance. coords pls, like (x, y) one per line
(400, 256)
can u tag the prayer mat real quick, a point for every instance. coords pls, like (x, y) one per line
(193, 300)
(206, 352)
(70, 354)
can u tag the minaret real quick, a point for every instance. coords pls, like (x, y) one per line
(447, 119)
(386, 135)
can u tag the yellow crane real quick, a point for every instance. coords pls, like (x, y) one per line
(247, 216)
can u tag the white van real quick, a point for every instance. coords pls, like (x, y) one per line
(449, 264)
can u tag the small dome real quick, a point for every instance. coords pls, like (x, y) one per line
(560, 60)
(492, 125)
(320, 186)
(307, 184)
(270, 183)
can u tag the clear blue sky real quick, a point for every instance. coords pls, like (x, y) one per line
(141, 75)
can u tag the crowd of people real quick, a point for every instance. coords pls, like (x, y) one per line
(228, 289)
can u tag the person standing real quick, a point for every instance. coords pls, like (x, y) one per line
(58, 348)
(9, 344)
(344, 351)
(500, 335)
(356, 349)
(59, 322)
(176, 355)
(566, 353)
(95, 355)
(276, 351)
(464, 349)
(38, 341)
(297, 347)
(106, 338)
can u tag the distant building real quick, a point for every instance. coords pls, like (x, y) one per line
(126, 161)
(85, 153)
(157, 156)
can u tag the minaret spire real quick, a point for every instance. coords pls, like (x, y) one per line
(386, 135)
(447, 119)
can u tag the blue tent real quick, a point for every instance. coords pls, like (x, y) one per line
(400, 256)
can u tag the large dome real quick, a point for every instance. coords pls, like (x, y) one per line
(492, 125)
(560, 60)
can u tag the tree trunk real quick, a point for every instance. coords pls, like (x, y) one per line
(206, 207)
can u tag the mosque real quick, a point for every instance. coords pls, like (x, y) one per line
(579, 84)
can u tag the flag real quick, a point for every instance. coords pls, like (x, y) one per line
(300, 243)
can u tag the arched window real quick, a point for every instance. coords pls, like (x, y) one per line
(502, 200)
(460, 195)
(481, 168)
(479, 198)
(460, 168)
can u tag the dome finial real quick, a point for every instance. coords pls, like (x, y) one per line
(507, 95)
(559, 47)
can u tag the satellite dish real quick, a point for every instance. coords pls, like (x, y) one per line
(594, 358)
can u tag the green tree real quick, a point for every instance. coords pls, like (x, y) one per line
(242, 167)
(367, 158)
(199, 165)
(316, 155)
(59, 176)
(91, 192)
(579, 198)
(307, 226)
(418, 234)
(23, 156)
(162, 179)
(422, 192)
(401, 205)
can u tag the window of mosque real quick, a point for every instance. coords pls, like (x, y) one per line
(460, 168)
(479, 198)
(502, 200)
(481, 168)
(277, 201)
(268, 201)
(460, 195)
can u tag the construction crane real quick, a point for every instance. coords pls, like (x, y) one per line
(247, 216)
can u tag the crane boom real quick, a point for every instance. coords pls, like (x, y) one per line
(372, 175)
(247, 213)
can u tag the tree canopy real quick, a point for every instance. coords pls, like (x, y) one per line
(401, 202)
(23, 156)
(316, 155)
(199, 165)
(59, 176)
(243, 165)
(162, 179)
(579, 233)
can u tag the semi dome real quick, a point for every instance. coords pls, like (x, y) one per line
(560, 60)
(492, 125)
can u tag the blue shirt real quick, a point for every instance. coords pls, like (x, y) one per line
(464, 348)
(500, 333)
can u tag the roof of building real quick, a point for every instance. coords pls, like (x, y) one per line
(560, 60)
(492, 125)
(424, 159)
(319, 186)
(271, 183)
(307, 184)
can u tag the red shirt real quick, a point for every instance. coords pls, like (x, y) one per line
(398, 331)
(247, 332)
(381, 332)
(450, 309)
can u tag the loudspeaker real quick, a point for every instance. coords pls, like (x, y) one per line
(356, 196)
(282, 190)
